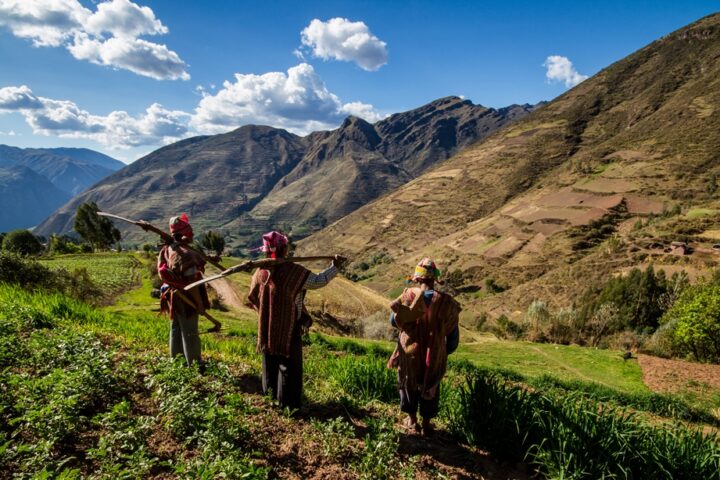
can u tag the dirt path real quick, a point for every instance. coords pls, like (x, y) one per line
(227, 293)
(663, 375)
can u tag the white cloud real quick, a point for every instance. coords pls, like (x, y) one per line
(11, 133)
(341, 39)
(298, 101)
(118, 129)
(122, 18)
(561, 69)
(18, 98)
(133, 54)
(48, 23)
(108, 36)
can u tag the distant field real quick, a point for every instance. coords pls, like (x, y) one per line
(564, 362)
(112, 272)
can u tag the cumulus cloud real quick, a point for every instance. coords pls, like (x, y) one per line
(11, 133)
(109, 36)
(561, 69)
(297, 100)
(118, 129)
(341, 39)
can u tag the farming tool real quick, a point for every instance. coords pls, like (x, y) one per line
(216, 323)
(166, 237)
(262, 263)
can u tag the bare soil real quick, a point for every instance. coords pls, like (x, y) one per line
(668, 376)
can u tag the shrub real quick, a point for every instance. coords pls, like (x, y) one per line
(696, 323)
(22, 242)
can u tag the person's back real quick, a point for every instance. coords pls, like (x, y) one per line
(278, 295)
(427, 321)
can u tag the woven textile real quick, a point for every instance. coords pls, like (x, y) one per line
(421, 354)
(272, 294)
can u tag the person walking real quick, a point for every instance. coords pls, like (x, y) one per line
(428, 324)
(278, 294)
(179, 266)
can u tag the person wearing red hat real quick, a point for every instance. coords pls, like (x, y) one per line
(278, 295)
(428, 324)
(179, 266)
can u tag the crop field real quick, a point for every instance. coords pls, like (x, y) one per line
(113, 272)
(110, 404)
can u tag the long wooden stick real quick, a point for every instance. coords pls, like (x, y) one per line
(263, 263)
(166, 237)
(187, 300)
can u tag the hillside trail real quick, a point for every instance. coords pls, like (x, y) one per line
(227, 293)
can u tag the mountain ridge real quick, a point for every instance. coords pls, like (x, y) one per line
(526, 205)
(258, 177)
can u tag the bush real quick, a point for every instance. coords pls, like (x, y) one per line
(696, 320)
(22, 242)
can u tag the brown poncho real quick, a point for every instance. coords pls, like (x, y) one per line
(272, 294)
(421, 353)
(179, 266)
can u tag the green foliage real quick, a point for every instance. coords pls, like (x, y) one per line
(379, 458)
(363, 378)
(567, 436)
(22, 242)
(334, 436)
(96, 230)
(640, 297)
(63, 244)
(213, 241)
(696, 320)
(111, 272)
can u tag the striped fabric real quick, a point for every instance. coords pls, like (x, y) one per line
(273, 294)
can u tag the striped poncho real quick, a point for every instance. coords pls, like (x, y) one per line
(272, 294)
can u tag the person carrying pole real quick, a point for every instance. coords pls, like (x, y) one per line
(428, 324)
(179, 265)
(278, 294)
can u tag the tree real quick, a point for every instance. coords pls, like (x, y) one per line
(697, 322)
(96, 230)
(214, 241)
(22, 242)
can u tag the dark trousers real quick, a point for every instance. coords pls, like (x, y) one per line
(411, 401)
(284, 375)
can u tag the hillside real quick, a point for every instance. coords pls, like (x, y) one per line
(71, 170)
(256, 178)
(26, 197)
(551, 204)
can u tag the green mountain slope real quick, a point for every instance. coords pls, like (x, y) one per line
(527, 205)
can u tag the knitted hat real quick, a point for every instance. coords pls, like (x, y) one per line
(179, 224)
(425, 270)
(273, 241)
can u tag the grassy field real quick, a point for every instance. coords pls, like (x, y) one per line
(110, 271)
(134, 411)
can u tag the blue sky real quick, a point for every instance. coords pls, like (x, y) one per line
(127, 77)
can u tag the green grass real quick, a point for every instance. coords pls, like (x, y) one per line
(112, 272)
(568, 363)
(700, 212)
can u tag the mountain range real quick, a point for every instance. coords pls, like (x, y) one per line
(59, 174)
(602, 179)
(256, 177)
